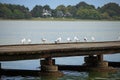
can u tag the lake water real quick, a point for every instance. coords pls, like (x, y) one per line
(11, 32)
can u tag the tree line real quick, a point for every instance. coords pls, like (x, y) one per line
(82, 10)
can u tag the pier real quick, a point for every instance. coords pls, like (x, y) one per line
(93, 52)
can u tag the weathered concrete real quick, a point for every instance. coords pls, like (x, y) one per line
(96, 63)
(14, 72)
(83, 68)
(48, 65)
(100, 57)
(36, 51)
(17, 72)
(49, 68)
(114, 64)
(48, 51)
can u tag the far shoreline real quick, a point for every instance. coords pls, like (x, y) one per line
(55, 19)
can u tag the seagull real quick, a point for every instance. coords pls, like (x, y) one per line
(58, 40)
(29, 41)
(85, 39)
(23, 40)
(43, 40)
(93, 39)
(76, 39)
(68, 39)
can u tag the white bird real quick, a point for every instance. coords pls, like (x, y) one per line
(43, 40)
(58, 40)
(85, 39)
(23, 40)
(76, 39)
(93, 38)
(29, 41)
(68, 39)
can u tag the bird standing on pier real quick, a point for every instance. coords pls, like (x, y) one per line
(68, 39)
(76, 39)
(29, 41)
(58, 40)
(85, 39)
(23, 41)
(43, 40)
(93, 38)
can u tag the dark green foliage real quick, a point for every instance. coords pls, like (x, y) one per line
(86, 11)
(37, 11)
(88, 14)
(9, 11)
(84, 5)
(82, 10)
(110, 11)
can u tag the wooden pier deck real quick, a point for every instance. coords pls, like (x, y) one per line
(36, 51)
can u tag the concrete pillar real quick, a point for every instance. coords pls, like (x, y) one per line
(48, 65)
(101, 62)
(100, 57)
(90, 61)
(95, 61)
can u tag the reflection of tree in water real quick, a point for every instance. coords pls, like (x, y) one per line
(74, 75)
(104, 75)
(93, 75)
(48, 78)
(71, 75)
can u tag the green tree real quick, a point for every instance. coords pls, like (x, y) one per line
(84, 5)
(5, 12)
(72, 10)
(88, 14)
(47, 7)
(61, 8)
(86, 11)
(105, 15)
(37, 11)
(112, 9)
(14, 11)
(18, 14)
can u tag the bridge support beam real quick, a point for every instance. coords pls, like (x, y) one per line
(100, 58)
(95, 61)
(101, 63)
(48, 67)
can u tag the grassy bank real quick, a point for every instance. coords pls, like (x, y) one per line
(60, 19)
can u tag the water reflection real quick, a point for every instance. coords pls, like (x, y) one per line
(69, 75)
(35, 31)
(93, 75)
(28, 78)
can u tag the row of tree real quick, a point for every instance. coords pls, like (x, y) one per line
(9, 11)
(81, 10)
